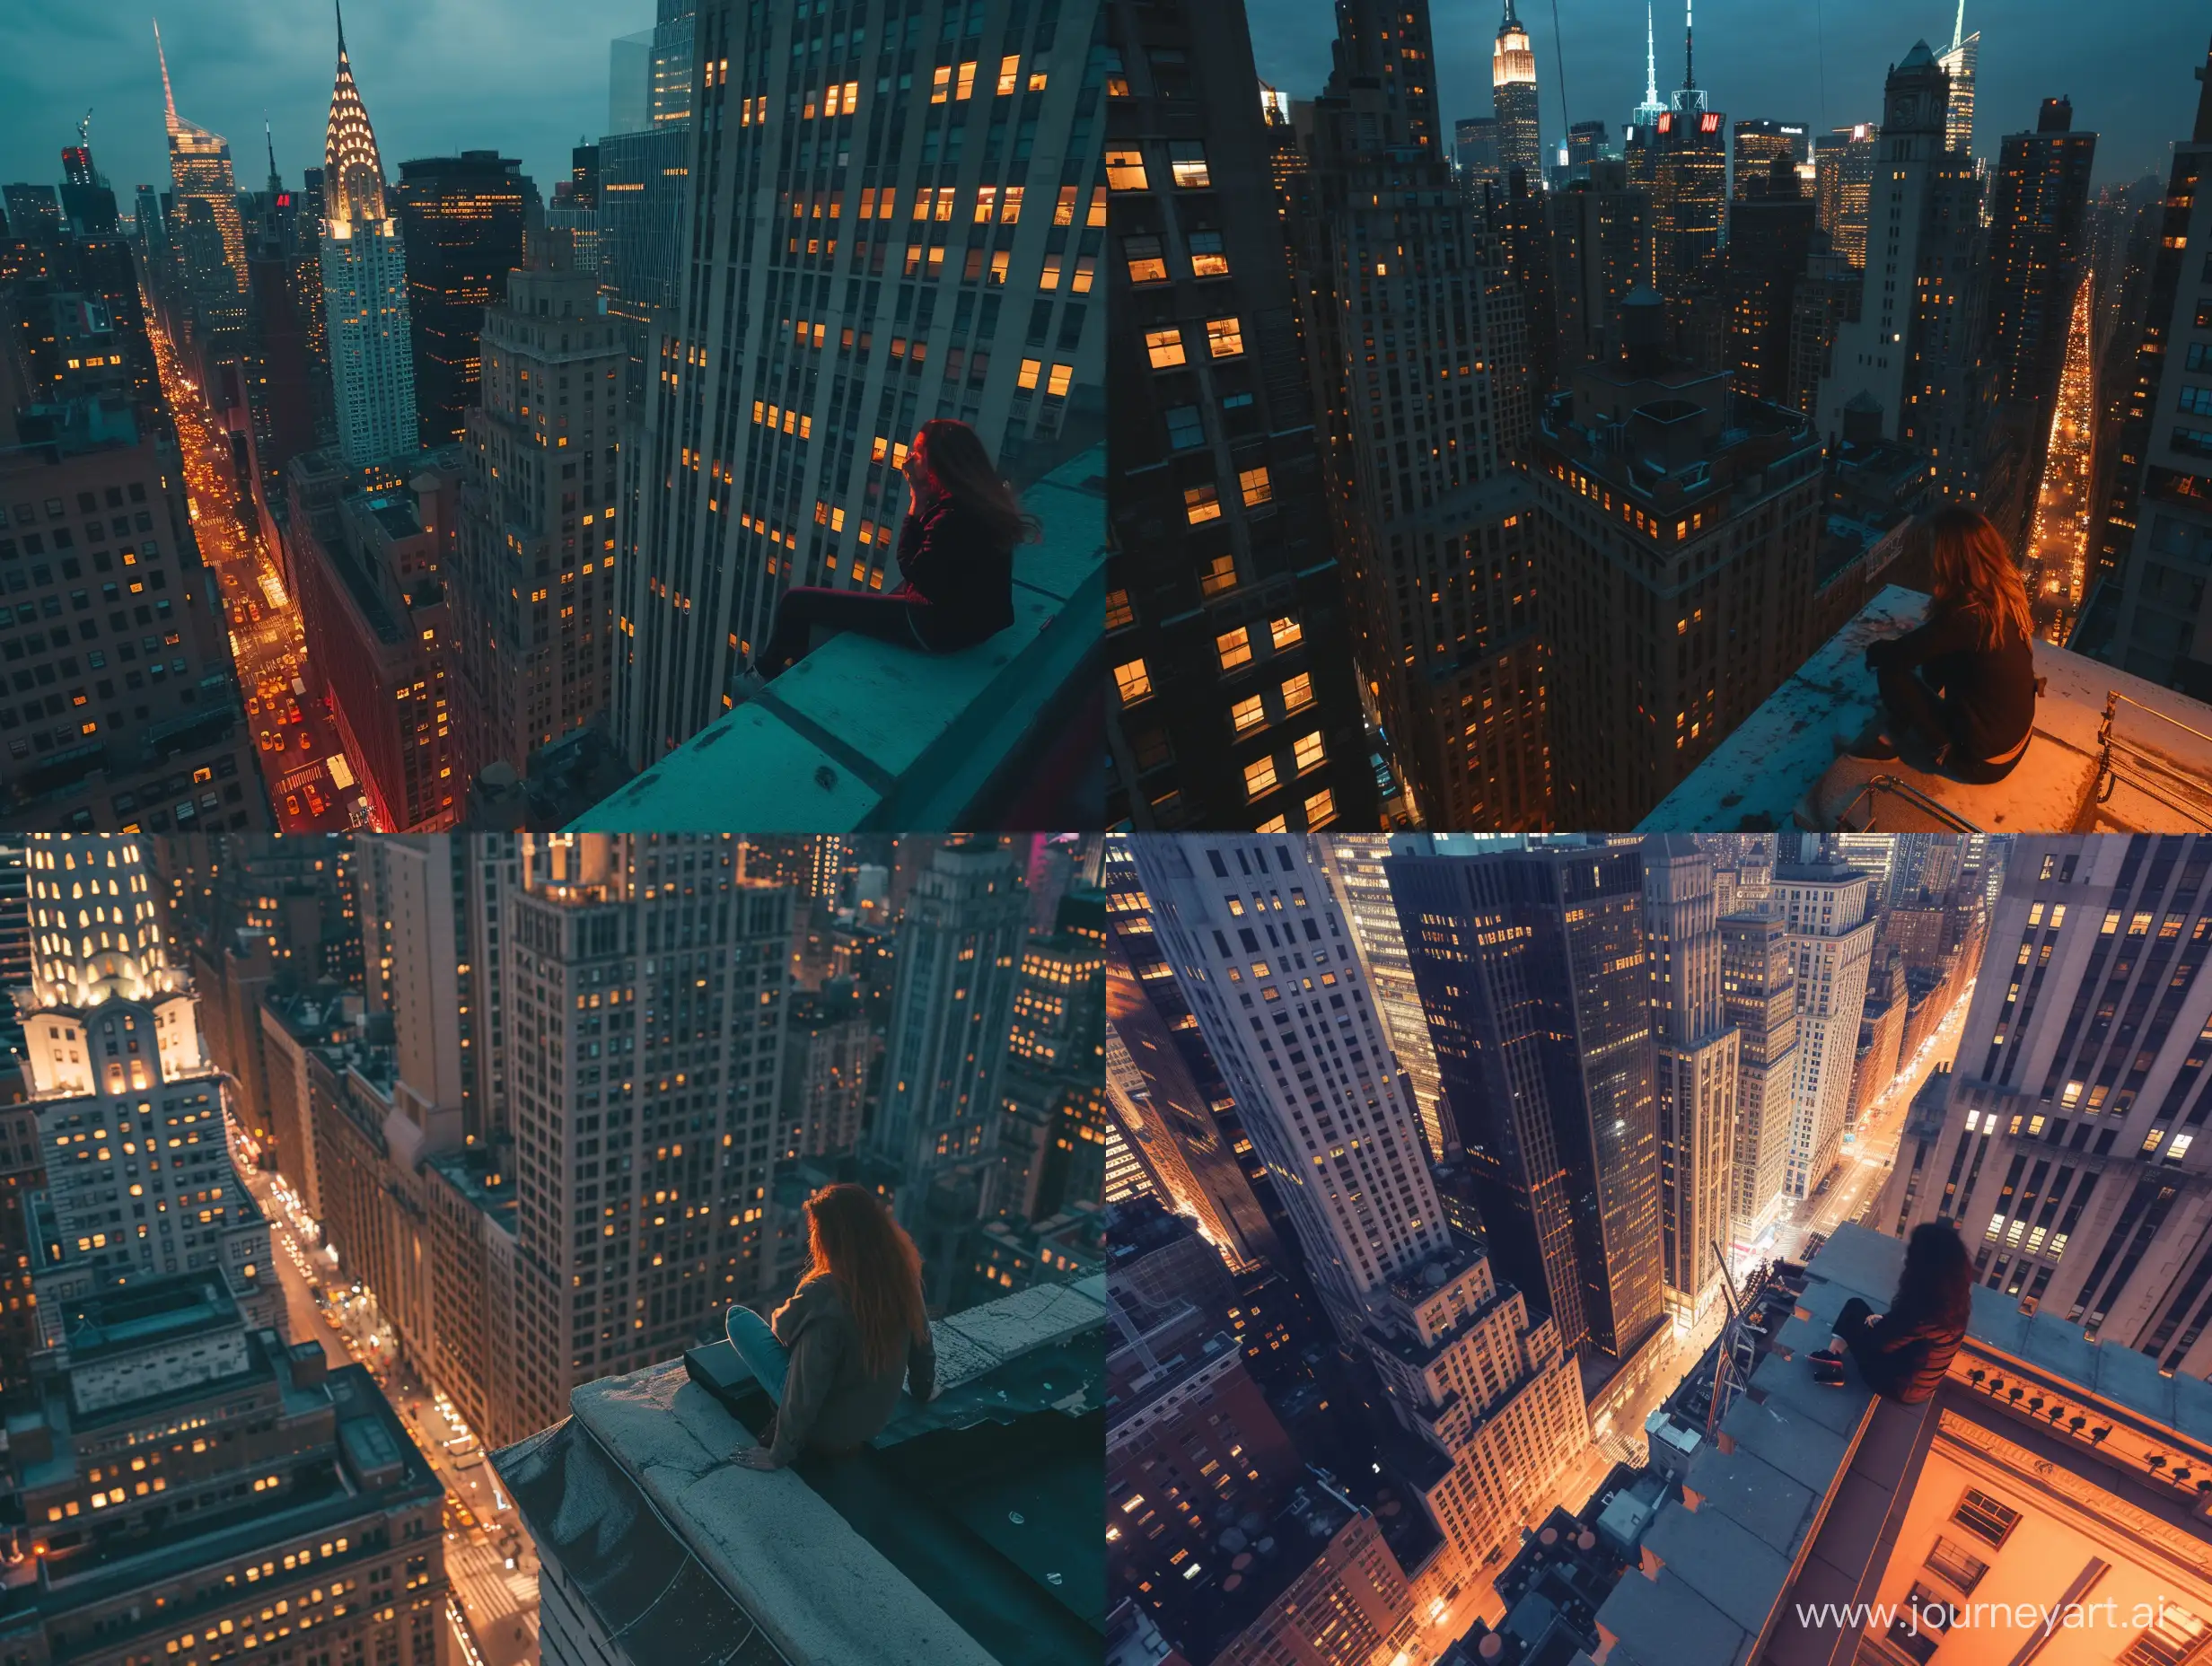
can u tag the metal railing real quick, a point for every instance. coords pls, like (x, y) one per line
(2158, 776)
(1875, 786)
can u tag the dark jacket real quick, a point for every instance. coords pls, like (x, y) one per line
(831, 1401)
(1904, 1354)
(949, 556)
(1988, 694)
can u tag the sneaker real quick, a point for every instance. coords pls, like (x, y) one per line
(1825, 1356)
(1829, 1376)
(1874, 746)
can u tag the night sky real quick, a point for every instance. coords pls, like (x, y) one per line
(527, 76)
(2125, 68)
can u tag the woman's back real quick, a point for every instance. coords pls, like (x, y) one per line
(833, 1401)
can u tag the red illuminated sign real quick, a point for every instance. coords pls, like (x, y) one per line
(1666, 122)
(1708, 123)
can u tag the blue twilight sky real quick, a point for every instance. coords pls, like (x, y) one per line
(527, 76)
(2126, 67)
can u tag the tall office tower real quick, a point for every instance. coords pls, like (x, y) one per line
(796, 480)
(15, 946)
(1689, 171)
(829, 1048)
(958, 955)
(1464, 1365)
(180, 1447)
(125, 713)
(292, 405)
(1585, 144)
(644, 1018)
(1601, 250)
(2069, 1153)
(643, 172)
(419, 904)
(365, 289)
(1513, 95)
(1164, 1086)
(1958, 60)
(1236, 699)
(1474, 158)
(1770, 234)
(86, 198)
(1355, 864)
(461, 221)
(2150, 522)
(199, 172)
(114, 1061)
(1302, 1048)
(575, 208)
(1759, 994)
(1695, 1071)
(371, 569)
(1532, 969)
(1843, 168)
(2038, 247)
(1825, 908)
(1520, 243)
(1678, 643)
(533, 574)
(1908, 356)
(1430, 517)
(1829, 291)
(1758, 144)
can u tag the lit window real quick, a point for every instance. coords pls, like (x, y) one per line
(1147, 264)
(1206, 258)
(1058, 382)
(1125, 168)
(1064, 207)
(1030, 370)
(966, 87)
(1219, 575)
(1286, 633)
(1235, 648)
(1321, 808)
(1225, 337)
(1134, 681)
(1310, 752)
(1248, 714)
(1297, 693)
(1201, 503)
(1259, 778)
(1257, 487)
(1187, 161)
(1009, 76)
(1119, 613)
(941, 86)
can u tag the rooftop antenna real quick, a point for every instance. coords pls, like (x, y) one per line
(1558, 53)
(1651, 60)
(167, 92)
(1957, 29)
(1690, 73)
(84, 132)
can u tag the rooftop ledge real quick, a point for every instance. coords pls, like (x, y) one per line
(1796, 1500)
(676, 1554)
(865, 735)
(2111, 753)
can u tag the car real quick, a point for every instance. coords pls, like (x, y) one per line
(316, 804)
(292, 803)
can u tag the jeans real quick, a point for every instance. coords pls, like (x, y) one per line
(902, 619)
(756, 1345)
(1910, 702)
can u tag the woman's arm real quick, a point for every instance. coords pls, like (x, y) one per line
(1945, 631)
(813, 1344)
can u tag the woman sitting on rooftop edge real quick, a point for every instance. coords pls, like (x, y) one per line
(833, 1357)
(1903, 1353)
(955, 561)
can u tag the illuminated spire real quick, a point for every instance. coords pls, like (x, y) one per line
(1957, 29)
(1689, 70)
(353, 173)
(1651, 62)
(167, 93)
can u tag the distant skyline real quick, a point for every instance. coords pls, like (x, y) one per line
(524, 76)
(2127, 68)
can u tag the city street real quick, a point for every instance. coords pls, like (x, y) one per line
(488, 1555)
(294, 738)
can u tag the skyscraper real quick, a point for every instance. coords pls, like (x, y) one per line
(1354, 864)
(1601, 252)
(364, 288)
(460, 219)
(1770, 233)
(1513, 95)
(533, 577)
(1907, 358)
(2026, 1158)
(1474, 157)
(1843, 165)
(1431, 520)
(115, 1061)
(1533, 967)
(1759, 994)
(1236, 699)
(1758, 144)
(1825, 908)
(1695, 1070)
(1689, 171)
(1958, 60)
(199, 172)
(845, 328)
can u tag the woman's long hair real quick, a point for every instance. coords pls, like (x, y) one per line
(851, 1237)
(1937, 1279)
(1973, 573)
(962, 471)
